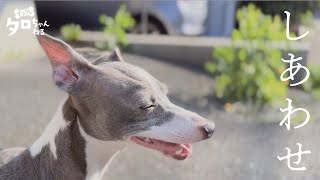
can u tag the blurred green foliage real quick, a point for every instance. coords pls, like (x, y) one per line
(117, 26)
(278, 7)
(306, 18)
(71, 32)
(251, 71)
(312, 85)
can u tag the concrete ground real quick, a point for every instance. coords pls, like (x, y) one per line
(239, 150)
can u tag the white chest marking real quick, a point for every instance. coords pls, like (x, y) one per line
(57, 124)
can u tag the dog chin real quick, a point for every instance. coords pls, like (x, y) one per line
(172, 150)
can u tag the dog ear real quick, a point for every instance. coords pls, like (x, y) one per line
(66, 63)
(114, 56)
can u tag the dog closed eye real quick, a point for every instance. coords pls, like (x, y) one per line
(151, 106)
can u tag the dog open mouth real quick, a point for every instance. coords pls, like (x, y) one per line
(176, 151)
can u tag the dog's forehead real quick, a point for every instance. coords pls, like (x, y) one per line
(128, 75)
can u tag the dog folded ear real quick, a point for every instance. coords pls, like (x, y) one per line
(66, 63)
(114, 56)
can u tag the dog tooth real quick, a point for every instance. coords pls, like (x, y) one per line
(185, 146)
(179, 152)
(147, 140)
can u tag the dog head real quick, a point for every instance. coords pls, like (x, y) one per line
(119, 101)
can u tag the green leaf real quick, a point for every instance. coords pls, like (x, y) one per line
(316, 93)
(236, 35)
(242, 54)
(210, 67)
(103, 18)
(71, 32)
(223, 82)
(109, 21)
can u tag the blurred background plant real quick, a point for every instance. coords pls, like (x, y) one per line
(312, 85)
(116, 27)
(306, 18)
(251, 72)
(277, 7)
(71, 32)
(301, 12)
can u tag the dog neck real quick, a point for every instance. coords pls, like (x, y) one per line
(63, 151)
(98, 154)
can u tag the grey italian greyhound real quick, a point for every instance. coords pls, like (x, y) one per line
(110, 103)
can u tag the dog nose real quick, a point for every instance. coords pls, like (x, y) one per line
(209, 130)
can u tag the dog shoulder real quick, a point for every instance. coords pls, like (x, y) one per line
(7, 155)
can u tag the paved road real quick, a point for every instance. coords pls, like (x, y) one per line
(238, 150)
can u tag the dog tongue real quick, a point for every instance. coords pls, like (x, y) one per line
(182, 151)
(176, 151)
